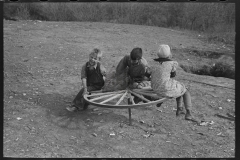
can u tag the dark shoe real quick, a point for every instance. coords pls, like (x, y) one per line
(189, 117)
(85, 106)
(137, 100)
(179, 111)
(159, 104)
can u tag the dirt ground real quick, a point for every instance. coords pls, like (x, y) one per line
(42, 63)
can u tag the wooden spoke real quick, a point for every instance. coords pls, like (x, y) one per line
(98, 91)
(111, 98)
(119, 101)
(101, 97)
(150, 94)
(139, 96)
(104, 93)
(143, 90)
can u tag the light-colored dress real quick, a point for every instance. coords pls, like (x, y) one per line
(161, 82)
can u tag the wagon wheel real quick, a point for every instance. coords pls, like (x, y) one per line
(124, 99)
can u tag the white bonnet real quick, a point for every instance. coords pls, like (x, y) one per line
(164, 51)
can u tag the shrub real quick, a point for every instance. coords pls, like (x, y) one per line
(222, 69)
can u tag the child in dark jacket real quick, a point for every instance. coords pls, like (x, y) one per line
(93, 78)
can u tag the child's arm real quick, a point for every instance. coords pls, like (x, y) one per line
(147, 67)
(148, 72)
(84, 84)
(174, 69)
(103, 71)
(84, 79)
(122, 65)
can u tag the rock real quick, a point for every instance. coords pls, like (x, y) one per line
(95, 109)
(203, 123)
(219, 134)
(211, 122)
(19, 118)
(141, 121)
(112, 134)
(146, 135)
(94, 134)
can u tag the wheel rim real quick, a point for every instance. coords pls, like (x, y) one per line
(118, 99)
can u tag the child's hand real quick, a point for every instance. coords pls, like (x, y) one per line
(85, 91)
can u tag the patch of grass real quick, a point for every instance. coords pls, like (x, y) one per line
(207, 54)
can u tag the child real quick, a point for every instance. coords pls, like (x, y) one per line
(137, 68)
(93, 78)
(164, 85)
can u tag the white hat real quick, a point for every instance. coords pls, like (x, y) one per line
(164, 51)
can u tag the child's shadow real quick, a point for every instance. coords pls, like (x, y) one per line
(56, 112)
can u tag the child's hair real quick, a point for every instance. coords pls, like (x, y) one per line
(136, 53)
(97, 52)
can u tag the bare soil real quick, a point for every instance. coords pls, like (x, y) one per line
(42, 64)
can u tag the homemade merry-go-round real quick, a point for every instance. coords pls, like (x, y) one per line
(124, 99)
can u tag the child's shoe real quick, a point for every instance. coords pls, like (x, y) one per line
(179, 111)
(189, 116)
(159, 104)
(85, 106)
(72, 108)
(137, 100)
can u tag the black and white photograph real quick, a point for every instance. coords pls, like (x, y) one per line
(119, 79)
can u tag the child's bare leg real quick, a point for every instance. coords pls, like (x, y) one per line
(89, 89)
(78, 99)
(179, 106)
(188, 105)
(76, 103)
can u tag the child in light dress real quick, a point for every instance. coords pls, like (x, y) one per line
(165, 86)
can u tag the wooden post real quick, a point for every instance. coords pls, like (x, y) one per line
(130, 120)
(130, 101)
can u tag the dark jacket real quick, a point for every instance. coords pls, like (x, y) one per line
(94, 76)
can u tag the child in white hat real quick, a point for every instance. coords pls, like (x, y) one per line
(165, 86)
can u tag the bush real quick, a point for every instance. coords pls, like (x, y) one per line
(218, 69)
(222, 69)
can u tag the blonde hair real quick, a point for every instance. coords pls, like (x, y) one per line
(97, 52)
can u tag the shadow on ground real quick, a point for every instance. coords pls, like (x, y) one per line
(55, 106)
